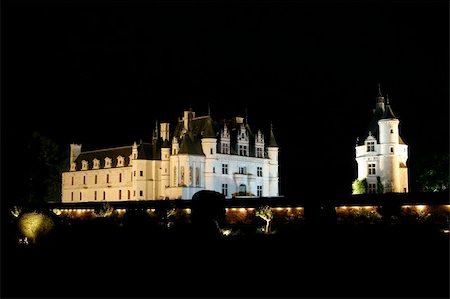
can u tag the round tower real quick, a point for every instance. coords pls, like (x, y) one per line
(389, 161)
(209, 147)
(272, 151)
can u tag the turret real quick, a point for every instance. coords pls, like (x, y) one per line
(175, 146)
(75, 150)
(272, 146)
(209, 139)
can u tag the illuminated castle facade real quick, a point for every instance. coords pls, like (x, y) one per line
(201, 154)
(381, 153)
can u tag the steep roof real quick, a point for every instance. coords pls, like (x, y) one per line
(191, 145)
(113, 153)
(272, 141)
(146, 151)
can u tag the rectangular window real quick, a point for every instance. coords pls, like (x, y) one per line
(104, 195)
(81, 196)
(95, 195)
(372, 188)
(84, 180)
(371, 146)
(259, 191)
(242, 150)
(71, 197)
(120, 178)
(259, 152)
(371, 168)
(141, 193)
(224, 168)
(242, 170)
(214, 170)
(211, 151)
(72, 181)
(107, 178)
(225, 189)
(129, 193)
(95, 179)
(120, 194)
(141, 173)
(225, 148)
(135, 173)
(259, 171)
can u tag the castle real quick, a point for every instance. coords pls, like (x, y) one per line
(201, 154)
(381, 153)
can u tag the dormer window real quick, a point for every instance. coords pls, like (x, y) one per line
(107, 162)
(371, 146)
(84, 165)
(73, 166)
(120, 161)
(96, 163)
(130, 161)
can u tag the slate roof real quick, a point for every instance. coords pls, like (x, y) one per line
(113, 153)
(146, 151)
(378, 114)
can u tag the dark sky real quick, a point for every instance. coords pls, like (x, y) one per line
(100, 73)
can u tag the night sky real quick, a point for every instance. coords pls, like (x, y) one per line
(100, 73)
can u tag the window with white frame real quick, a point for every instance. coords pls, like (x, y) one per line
(225, 148)
(259, 191)
(371, 146)
(259, 171)
(107, 162)
(225, 189)
(259, 152)
(84, 165)
(224, 168)
(242, 150)
(242, 170)
(371, 167)
(372, 188)
(120, 160)
(96, 164)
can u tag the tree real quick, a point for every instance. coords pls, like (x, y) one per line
(359, 186)
(433, 173)
(44, 167)
(265, 212)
